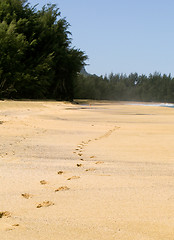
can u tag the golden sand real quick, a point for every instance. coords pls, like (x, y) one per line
(124, 190)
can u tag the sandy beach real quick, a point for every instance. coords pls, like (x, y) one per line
(91, 171)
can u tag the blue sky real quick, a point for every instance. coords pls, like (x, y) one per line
(121, 36)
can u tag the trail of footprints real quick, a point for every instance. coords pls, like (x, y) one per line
(80, 148)
(79, 152)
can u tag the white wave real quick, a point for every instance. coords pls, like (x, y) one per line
(167, 105)
(153, 104)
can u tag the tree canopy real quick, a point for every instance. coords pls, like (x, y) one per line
(37, 59)
(134, 87)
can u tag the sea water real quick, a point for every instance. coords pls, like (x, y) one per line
(171, 105)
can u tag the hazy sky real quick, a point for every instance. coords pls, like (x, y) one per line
(121, 36)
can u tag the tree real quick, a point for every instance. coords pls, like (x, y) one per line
(134, 87)
(12, 48)
(36, 58)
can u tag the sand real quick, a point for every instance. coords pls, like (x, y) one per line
(99, 171)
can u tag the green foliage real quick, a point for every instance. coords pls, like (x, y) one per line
(12, 48)
(36, 57)
(121, 87)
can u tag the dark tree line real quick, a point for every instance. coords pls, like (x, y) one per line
(36, 56)
(134, 87)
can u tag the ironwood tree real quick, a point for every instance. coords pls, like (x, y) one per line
(37, 59)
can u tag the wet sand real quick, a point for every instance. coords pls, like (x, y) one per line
(79, 172)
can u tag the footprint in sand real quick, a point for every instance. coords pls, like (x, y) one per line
(5, 214)
(105, 175)
(12, 227)
(26, 195)
(43, 182)
(99, 162)
(90, 169)
(45, 204)
(63, 188)
(81, 159)
(73, 177)
(60, 172)
(79, 165)
(15, 225)
(80, 154)
(9, 229)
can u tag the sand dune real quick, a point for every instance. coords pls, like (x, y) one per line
(96, 171)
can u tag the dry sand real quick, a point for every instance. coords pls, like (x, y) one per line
(81, 172)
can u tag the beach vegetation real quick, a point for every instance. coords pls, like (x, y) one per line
(37, 59)
(133, 87)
